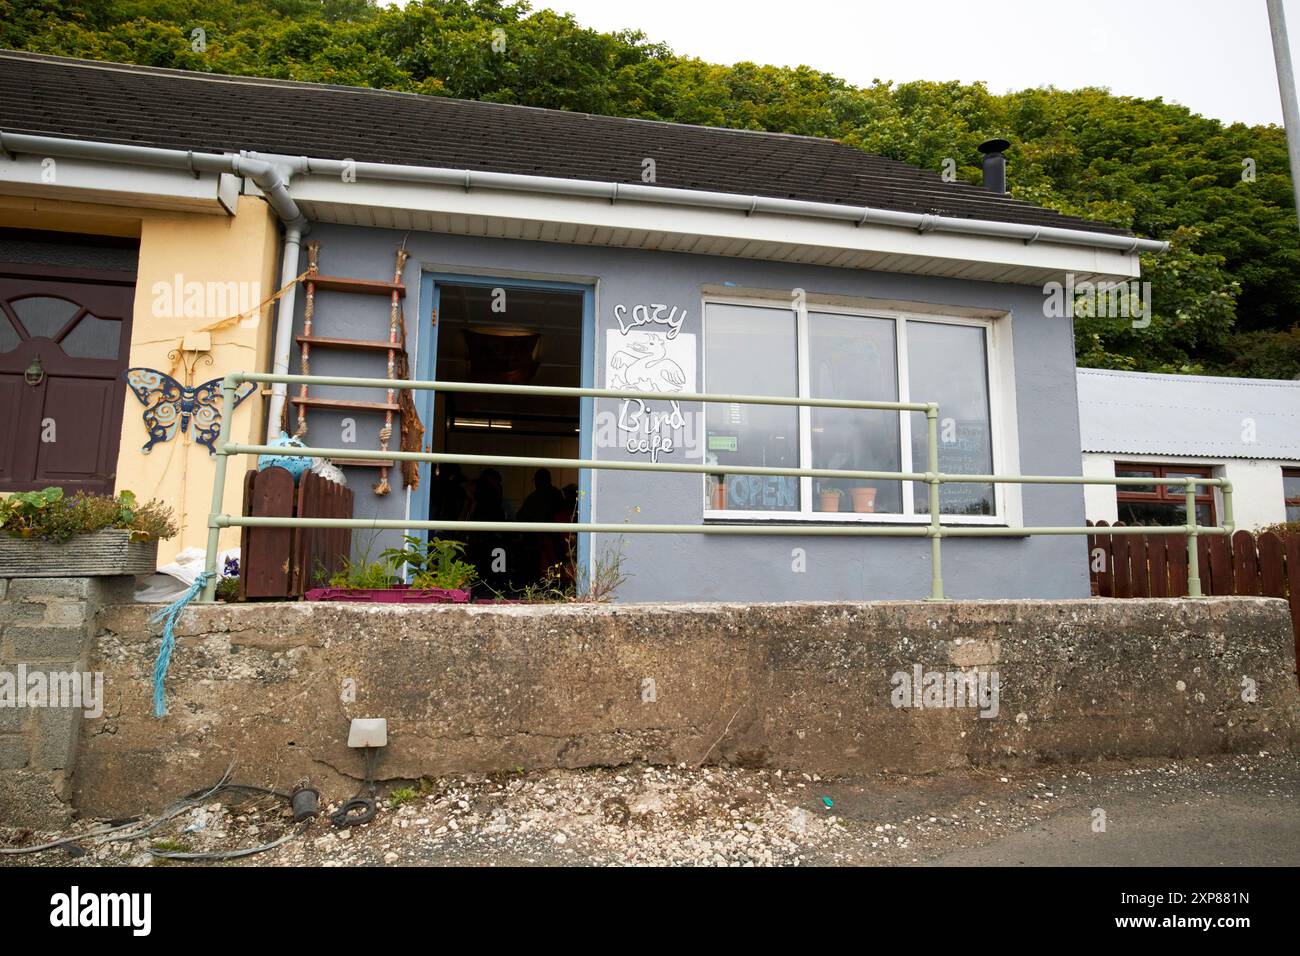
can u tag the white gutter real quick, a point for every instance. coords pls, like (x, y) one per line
(283, 340)
(636, 192)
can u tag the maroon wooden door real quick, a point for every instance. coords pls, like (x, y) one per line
(64, 343)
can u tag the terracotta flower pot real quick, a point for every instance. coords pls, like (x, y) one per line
(719, 502)
(864, 499)
(828, 502)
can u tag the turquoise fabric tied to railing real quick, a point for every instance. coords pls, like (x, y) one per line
(169, 616)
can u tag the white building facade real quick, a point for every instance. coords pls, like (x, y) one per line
(1141, 424)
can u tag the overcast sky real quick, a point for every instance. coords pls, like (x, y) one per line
(1213, 56)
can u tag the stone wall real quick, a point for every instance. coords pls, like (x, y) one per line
(272, 688)
(46, 628)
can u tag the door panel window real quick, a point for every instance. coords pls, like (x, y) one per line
(93, 337)
(44, 316)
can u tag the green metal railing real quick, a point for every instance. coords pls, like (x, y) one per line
(934, 529)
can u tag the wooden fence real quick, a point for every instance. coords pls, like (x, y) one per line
(1155, 565)
(286, 562)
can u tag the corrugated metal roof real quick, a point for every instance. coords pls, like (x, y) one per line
(1188, 415)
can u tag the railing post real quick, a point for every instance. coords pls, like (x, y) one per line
(1228, 521)
(1193, 559)
(932, 479)
(218, 488)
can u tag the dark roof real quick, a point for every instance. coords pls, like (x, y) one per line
(177, 109)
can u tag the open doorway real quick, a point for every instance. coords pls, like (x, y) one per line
(518, 335)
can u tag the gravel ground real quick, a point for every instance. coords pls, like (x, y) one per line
(1238, 810)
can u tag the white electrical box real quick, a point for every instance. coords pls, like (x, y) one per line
(368, 732)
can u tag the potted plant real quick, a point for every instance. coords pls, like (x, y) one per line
(864, 499)
(438, 576)
(828, 499)
(46, 534)
(717, 492)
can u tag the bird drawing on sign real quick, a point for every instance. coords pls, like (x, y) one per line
(644, 366)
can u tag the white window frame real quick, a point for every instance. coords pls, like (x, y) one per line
(999, 366)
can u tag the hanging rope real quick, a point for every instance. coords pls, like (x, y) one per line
(169, 615)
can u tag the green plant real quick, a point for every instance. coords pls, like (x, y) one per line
(567, 582)
(52, 516)
(1283, 529)
(401, 796)
(435, 565)
(606, 575)
(228, 589)
(363, 574)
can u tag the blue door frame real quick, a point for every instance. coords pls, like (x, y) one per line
(426, 367)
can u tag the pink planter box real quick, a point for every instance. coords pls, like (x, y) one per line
(401, 594)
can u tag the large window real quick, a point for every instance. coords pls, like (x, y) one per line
(761, 349)
(1162, 504)
(1291, 492)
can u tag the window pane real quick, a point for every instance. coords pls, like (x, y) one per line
(93, 337)
(946, 364)
(1161, 513)
(42, 315)
(8, 334)
(853, 357)
(752, 351)
(1290, 485)
(1293, 512)
(1123, 471)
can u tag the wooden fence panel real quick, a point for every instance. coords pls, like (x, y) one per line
(1157, 554)
(1139, 578)
(1120, 548)
(1177, 552)
(1105, 576)
(1203, 563)
(1272, 565)
(1221, 582)
(264, 552)
(320, 552)
(1245, 568)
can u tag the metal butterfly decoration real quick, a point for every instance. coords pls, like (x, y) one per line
(169, 406)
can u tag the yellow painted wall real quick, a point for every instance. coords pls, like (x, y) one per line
(203, 248)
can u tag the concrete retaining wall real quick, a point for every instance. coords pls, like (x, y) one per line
(803, 686)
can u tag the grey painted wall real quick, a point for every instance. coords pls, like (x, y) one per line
(697, 567)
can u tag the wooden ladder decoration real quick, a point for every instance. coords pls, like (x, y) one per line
(308, 311)
(394, 348)
(394, 324)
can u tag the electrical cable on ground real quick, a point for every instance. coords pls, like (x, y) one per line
(138, 827)
(364, 802)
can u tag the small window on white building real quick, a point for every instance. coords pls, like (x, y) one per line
(1291, 492)
(1157, 504)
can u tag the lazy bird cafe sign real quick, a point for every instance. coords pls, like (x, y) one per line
(649, 353)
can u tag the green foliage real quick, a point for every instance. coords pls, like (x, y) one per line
(1283, 529)
(51, 516)
(363, 574)
(436, 565)
(1224, 300)
(402, 795)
